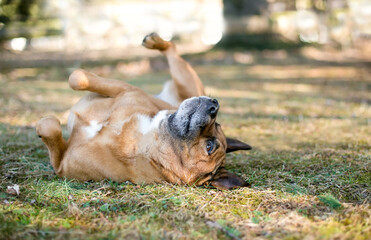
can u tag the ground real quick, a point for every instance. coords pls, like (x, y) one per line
(306, 113)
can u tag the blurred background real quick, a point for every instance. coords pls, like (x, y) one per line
(89, 30)
(314, 48)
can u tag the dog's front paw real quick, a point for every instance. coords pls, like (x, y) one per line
(154, 41)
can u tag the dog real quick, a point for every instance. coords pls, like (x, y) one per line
(119, 132)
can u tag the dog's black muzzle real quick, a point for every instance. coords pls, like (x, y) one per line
(193, 114)
(213, 107)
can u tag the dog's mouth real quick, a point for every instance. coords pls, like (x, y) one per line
(208, 177)
(193, 115)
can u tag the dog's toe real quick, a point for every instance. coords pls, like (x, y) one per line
(148, 42)
(154, 41)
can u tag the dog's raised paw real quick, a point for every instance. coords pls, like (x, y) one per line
(154, 41)
(48, 127)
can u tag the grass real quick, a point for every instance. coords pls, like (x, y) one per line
(310, 169)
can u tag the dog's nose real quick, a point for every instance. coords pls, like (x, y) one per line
(214, 108)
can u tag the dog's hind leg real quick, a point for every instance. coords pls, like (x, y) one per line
(50, 131)
(83, 80)
(185, 82)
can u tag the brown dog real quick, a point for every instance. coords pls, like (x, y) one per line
(119, 132)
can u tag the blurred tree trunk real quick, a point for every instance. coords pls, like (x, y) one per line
(244, 7)
(16, 11)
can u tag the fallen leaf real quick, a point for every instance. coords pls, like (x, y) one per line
(13, 190)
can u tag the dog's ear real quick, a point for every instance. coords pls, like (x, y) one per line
(223, 179)
(235, 145)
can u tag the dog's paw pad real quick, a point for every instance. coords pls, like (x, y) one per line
(154, 41)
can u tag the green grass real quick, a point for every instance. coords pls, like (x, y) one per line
(310, 169)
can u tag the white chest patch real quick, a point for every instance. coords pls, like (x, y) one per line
(92, 129)
(168, 94)
(147, 124)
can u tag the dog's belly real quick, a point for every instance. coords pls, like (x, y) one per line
(92, 107)
(94, 111)
(104, 142)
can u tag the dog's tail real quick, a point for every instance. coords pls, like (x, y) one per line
(50, 131)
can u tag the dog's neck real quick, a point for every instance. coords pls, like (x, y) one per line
(156, 147)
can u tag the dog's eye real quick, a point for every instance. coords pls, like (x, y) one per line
(210, 146)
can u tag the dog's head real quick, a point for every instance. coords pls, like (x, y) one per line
(199, 144)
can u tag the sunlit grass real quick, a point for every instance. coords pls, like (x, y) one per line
(310, 169)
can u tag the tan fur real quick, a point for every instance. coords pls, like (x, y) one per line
(107, 142)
